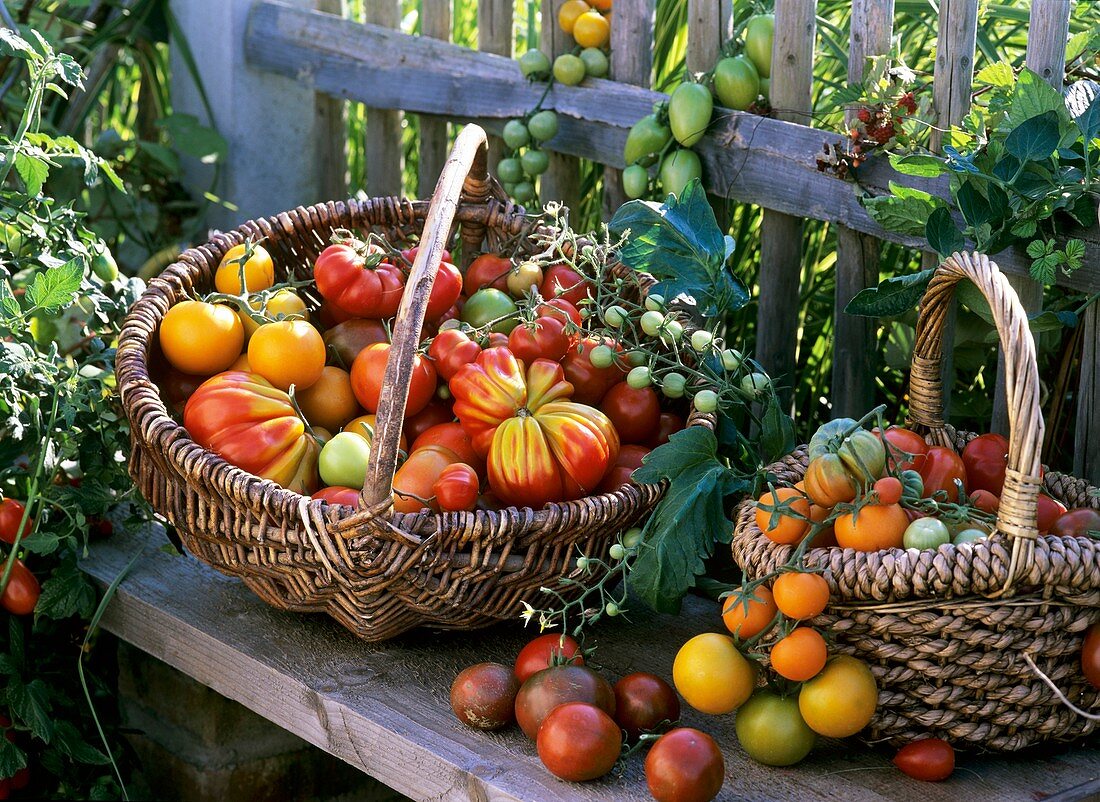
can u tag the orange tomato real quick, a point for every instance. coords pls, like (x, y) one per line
(601, 5)
(284, 302)
(888, 489)
(801, 655)
(413, 485)
(828, 482)
(800, 594)
(259, 272)
(877, 526)
(329, 401)
(746, 618)
(201, 338)
(591, 29)
(289, 352)
(241, 363)
(369, 369)
(787, 528)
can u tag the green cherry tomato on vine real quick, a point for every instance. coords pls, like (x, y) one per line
(543, 125)
(104, 265)
(632, 537)
(635, 181)
(509, 188)
(582, 563)
(654, 303)
(673, 384)
(701, 340)
(535, 162)
(569, 69)
(524, 191)
(602, 357)
(612, 609)
(755, 383)
(343, 460)
(706, 401)
(637, 359)
(731, 359)
(534, 64)
(617, 551)
(639, 377)
(509, 171)
(651, 322)
(672, 331)
(615, 317)
(926, 533)
(515, 134)
(595, 62)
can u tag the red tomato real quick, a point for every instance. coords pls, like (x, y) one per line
(1078, 522)
(986, 458)
(545, 338)
(985, 501)
(456, 488)
(1049, 511)
(435, 413)
(628, 461)
(941, 468)
(562, 281)
(11, 515)
(560, 308)
(635, 413)
(488, 270)
(414, 481)
(904, 442)
(577, 741)
(451, 435)
(354, 279)
(338, 495)
(929, 759)
(445, 291)
(21, 594)
(410, 255)
(685, 765)
(643, 703)
(590, 383)
(248, 423)
(545, 651)
(1090, 655)
(176, 387)
(450, 350)
(484, 696)
(555, 686)
(667, 425)
(368, 371)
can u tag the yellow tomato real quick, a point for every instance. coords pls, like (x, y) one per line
(285, 302)
(241, 363)
(591, 29)
(840, 700)
(329, 402)
(711, 675)
(200, 338)
(568, 13)
(259, 272)
(287, 352)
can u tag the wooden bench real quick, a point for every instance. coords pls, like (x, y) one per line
(383, 708)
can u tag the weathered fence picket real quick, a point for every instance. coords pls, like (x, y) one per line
(562, 180)
(382, 151)
(494, 35)
(332, 121)
(435, 22)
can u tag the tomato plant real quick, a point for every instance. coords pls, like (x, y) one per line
(556, 685)
(689, 110)
(759, 36)
(355, 278)
(578, 741)
(929, 759)
(644, 702)
(483, 696)
(545, 651)
(712, 675)
(986, 459)
(736, 82)
(684, 765)
(770, 728)
(368, 372)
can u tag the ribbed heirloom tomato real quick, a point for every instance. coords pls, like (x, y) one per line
(540, 446)
(354, 277)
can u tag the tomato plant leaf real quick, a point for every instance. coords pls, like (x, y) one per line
(942, 233)
(12, 758)
(15, 46)
(56, 287)
(1035, 138)
(905, 213)
(1033, 96)
(33, 171)
(9, 306)
(776, 431)
(918, 164)
(66, 592)
(893, 296)
(69, 741)
(998, 74)
(30, 704)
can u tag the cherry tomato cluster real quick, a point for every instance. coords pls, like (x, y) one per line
(22, 591)
(583, 726)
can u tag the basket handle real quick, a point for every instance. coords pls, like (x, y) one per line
(1017, 516)
(465, 175)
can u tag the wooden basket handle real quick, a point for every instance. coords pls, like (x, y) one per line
(464, 176)
(1017, 515)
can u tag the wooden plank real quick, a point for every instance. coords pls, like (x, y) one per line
(755, 159)
(631, 63)
(562, 180)
(435, 21)
(332, 123)
(1086, 453)
(857, 255)
(781, 234)
(384, 707)
(494, 35)
(705, 37)
(384, 154)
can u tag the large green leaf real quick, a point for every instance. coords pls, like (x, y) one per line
(904, 213)
(942, 233)
(30, 704)
(1033, 96)
(55, 287)
(893, 296)
(1035, 138)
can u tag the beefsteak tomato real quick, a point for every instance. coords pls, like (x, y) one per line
(986, 459)
(354, 278)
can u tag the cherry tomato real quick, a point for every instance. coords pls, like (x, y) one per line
(986, 459)
(1090, 655)
(354, 278)
(906, 448)
(1049, 511)
(783, 515)
(800, 594)
(712, 675)
(488, 270)
(636, 413)
(684, 765)
(445, 291)
(561, 308)
(450, 350)
(288, 352)
(456, 488)
(11, 515)
(877, 526)
(643, 702)
(345, 340)
(840, 700)
(562, 281)
(746, 613)
(435, 413)
(368, 372)
(21, 594)
(545, 651)
(1078, 522)
(888, 489)
(259, 272)
(556, 685)
(942, 467)
(800, 655)
(329, 402)
(590, 384)
(201, 338)
(929, 759)
(985, 501)
(771, 729)
(483, 696)
(629, 460)
(544, 338)
(578, 741)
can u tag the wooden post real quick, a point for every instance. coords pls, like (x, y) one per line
(631, 63)
(332, 143)
(562, 181)
(1086, 452)
(706, 33)
(781, 235)
(383, 154)
(435, 22)
(494, 35)
(857, 255)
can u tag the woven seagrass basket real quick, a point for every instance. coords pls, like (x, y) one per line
(377, 572)
(956, 637)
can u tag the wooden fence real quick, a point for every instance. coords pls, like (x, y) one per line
(769, 161)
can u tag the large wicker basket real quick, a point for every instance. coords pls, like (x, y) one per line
(956, 637)
(377, 572)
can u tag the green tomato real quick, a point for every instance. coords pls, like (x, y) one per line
(543, 125)
(732, 359)
(612, 609)
(534, 64)
(689, 111)
(679, 169)
(654, 303)
(617, 551)
(759, 36)
(343, 460)
(104, 265)
(595, 61)
(509, 171)
(639, 377)
(771, 729)
(672, 331)
(646, 139)
(615, 317)
(509, 188)
(11, 239)
(524, 191)
(701, 340)
(926, 533)
(651, 322)
(582, 563)
(970, 535)
(766, 89)
(488, 304)
(912, 484)
(569, 69)
(602, 357)
(635, 181)
(755, 383)
(632, 537)
(515, 134)
(637, 358)
(534, 161)
(673, 384)
(736, 82)
(706, 401)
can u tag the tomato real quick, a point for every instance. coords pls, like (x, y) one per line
(414, 481)
(635, 413)
(929, 759)
(445, 291)
(488, 270)
(456, 488)
(643, 703)
(568, 70)
(560, 308)
(646, 139)
(201, 338)
(906, 449)
(435, 413)
(800, 655)
(366, 425)
(596, 62)
(689, 110)
(828, 481)
(540, 446)
(629, 460)
(569, 12)
(877, 526)
(679, 169)
(259, 272)
(483, 696)
(772, 731)
(23, 590)
(451, 435)
(11, 515)
(527, 275)
(590, 384)
(329, 402)
(487, 305)
(783, 515)
(345, 340)
(176, 386)
(684, 765)
(562, 281)
(591, 29)
(667, 425)
(355, 279)
(545, 651)
(534, 64)
(985, 501)
(249, 423)
(969, 536)
(1078, 522)
(926, 533)
(759, 35)
(578, 741)
(635, 181)
(286, 353)
(736, 82)
(331, 315)
(343, 460)
(841, 700)
(543, 126)
(554, 686)
(747, 615)
(986, 459)
(1090, 655)
(800, 594)
(348, 496)
(942, 468)
(712, 675)
(1049, 511)
(368, 372)
(888, 490)
(544, 338)
(283, 304)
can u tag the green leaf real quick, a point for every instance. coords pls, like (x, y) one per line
(69, 70)
(112, 176)
(1083, 102)
(8, 665)
(42, 542)
(1035, 138)
(1033, 96)
(66, 593)
(55, 287)
(973, 204)
(12, 758)
(1075, 254)
(918, 164)
(892, 297)
(70, 742)
(1044, 269)
(192, 138)
(776, 431)
(999, 74)
(971, 297)
(905, 213)
(1039, 248)
(30, 704)
(691, 517)
(33, 171)
(942, 233)
(9, 306)
(15, 46)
